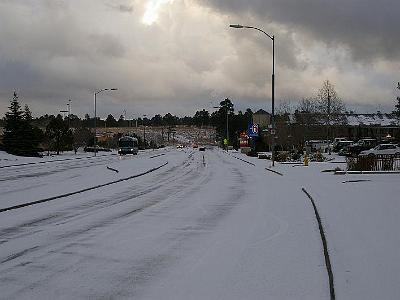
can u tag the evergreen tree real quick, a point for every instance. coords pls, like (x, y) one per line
(31, 136)
(111, 122)
(121, 121)
(218, 119)
(201, 118)
(157, 120)
(59, 135)
(14, 123)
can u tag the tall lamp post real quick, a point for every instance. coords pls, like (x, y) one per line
(144, 132)
(95, 115)
(272, 37)
(63, 112)
(69, 112)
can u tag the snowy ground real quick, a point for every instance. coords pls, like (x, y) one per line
(204, 226)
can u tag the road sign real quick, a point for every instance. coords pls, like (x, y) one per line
(225, 142)
(253, 130)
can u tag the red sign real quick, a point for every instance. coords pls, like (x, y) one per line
(243, 140)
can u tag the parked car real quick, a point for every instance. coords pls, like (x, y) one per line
(339, 145)
(264, 155)
(382, 149)
(201, 148)
(362, 145)
(317, 145)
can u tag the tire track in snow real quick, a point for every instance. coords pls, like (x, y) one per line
(82, 210)
(103, 222)
(79, 191)
(325, 246)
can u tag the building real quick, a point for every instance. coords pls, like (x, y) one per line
(262, 118)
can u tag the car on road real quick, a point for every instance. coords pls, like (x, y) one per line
(201, 148)
(382, 149)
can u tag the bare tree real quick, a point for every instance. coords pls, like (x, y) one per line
(305, 112)
(285, 108)
(329, 105)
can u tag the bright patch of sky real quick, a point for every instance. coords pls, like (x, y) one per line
(152, 10)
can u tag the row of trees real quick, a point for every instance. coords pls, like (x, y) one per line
(23, 138)
(26, 136)
(23, 135)
(200, 118)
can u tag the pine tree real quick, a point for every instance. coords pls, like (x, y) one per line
(12, 140)
(59, 135)
(27, 114)
(31, 136)
(20, 137)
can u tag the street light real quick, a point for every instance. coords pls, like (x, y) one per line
(144, 132)
(63, 112)
(95, 114)
(69, 112)
(272, 37)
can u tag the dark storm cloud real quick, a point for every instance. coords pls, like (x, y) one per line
(369, 28)
(54, 50)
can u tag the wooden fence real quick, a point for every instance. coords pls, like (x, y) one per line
(381, 162)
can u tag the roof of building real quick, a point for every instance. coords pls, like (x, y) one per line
(372, 119)
(261, 112)
(376, 119)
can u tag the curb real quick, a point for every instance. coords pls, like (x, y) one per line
(247, 162)
(366, 172)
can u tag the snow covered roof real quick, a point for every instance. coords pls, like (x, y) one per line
(377, 119)
(372, 119)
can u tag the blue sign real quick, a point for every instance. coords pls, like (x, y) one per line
(253, 130)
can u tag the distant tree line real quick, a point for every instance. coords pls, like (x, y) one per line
(27, 136)
(24, 135)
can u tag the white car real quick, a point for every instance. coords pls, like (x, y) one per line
(382, 149)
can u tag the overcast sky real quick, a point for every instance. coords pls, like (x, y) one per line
(180, 56)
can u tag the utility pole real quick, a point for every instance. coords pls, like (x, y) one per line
(69, 112)
(398, 106)
(329, 119)
(144, 132)
(227, 126)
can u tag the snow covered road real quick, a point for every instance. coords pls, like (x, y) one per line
(190, 230)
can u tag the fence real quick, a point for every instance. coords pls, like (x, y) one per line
(381, 162)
